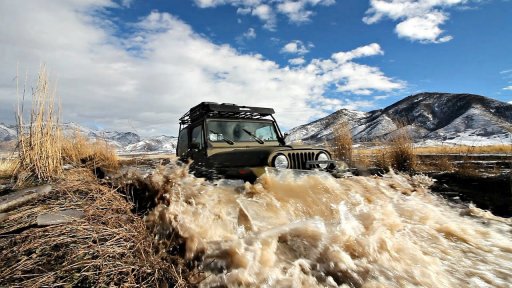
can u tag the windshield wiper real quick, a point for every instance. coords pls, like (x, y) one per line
(229, 141)
(253, 136)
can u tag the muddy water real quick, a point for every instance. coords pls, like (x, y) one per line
(317, 231)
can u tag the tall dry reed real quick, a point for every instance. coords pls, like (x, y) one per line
(39, 139)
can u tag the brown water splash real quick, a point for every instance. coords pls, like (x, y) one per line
(313, 230)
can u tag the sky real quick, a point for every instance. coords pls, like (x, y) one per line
(138, 65)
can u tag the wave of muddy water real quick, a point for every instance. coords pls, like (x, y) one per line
(317, 231)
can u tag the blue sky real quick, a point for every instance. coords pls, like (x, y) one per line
(139, 65)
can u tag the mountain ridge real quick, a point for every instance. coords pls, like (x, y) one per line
(429, 116)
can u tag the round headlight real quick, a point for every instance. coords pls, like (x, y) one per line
(322, 157)
(280, 161)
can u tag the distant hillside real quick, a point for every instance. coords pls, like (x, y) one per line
(439, 117)
(123, 142)
(7, 133)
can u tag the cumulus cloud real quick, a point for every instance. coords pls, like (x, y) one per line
(297, 11)
(297, 61)
(364, 51)
(508, 88)
(296, 47)
(419, 20)
(146, 79)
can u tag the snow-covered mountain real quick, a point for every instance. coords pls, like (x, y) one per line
(431, 117)
(7, 133)
(153, 144)
(123, 142)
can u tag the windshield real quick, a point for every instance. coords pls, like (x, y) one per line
(241, 131)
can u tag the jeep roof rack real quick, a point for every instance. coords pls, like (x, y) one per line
(224, 110)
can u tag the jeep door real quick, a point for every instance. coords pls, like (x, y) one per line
(197, 147)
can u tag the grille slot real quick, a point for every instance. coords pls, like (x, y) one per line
(298, 159)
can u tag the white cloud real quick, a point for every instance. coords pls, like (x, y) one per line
(419, 20)
(508, 88)
(364, 51)
(265, 14)
(127, 3)
(296, 47)
(297, 61)
(297, 11)
(250, 34)
(148, 79)
(423, 28)
(380, 97)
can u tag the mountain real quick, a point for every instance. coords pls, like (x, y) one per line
(153, 144)
(123, 142)
(439, 117)
(7, 133)
(114, 138)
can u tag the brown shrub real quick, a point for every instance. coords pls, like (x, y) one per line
(401, 151)
(342, 142)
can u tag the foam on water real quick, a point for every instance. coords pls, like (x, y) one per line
(317, 231)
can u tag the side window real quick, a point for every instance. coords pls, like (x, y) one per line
(182, 142)
(197, 137)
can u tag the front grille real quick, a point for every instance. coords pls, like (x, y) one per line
(298, 159)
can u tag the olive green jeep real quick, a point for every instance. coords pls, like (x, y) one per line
(239, 142)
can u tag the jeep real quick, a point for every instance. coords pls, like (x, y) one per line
(239, 142)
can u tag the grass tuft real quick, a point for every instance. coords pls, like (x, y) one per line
(7, 167)
(79, 151)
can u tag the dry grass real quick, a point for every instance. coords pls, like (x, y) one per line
(379, 155)
(342, 142)
(78, 151)
(39, 139)
(440, 150)
(110, 247)
(41, 147)
(7, 167)
(464, 149)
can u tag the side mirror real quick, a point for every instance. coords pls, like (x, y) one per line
(286, 134)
